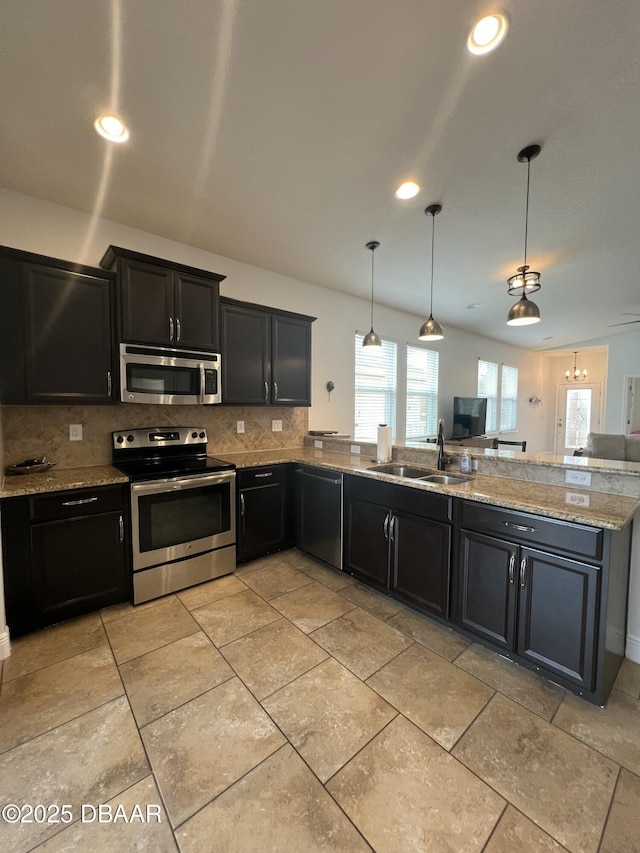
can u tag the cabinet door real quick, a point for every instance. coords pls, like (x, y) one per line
(366, 543)
(196, 307)
(420, 561)
(291, 361)
(69, 353)
(146, 291)
(79, 565)
(488, 587)
(262, 520)
(557, 619)
(246, 366)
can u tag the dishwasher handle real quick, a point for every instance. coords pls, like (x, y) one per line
(337, 482)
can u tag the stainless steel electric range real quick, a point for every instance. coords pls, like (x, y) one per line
(183, 519)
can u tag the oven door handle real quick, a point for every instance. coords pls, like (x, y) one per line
(181, 483)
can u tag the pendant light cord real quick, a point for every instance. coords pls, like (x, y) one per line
(433, 234)
(526, 215)
(373, 248)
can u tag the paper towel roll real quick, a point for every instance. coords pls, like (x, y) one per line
(383, 453)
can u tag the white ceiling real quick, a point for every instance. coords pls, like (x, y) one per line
(275, 131)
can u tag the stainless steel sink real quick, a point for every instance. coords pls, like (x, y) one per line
(446, 479)
(399, 470)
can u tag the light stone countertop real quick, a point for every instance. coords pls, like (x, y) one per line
(61, 479)
(612, 511)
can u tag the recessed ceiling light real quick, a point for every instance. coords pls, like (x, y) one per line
(487, 34)
(111, 128)
(475, 305)
(408, 189)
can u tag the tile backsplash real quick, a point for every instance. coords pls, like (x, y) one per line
(34, 431)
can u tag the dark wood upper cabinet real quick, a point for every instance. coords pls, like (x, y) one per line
(58, 347)
(266, 355)
(163, 303)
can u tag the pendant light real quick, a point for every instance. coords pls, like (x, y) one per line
(431, 330)
(371, 339)
(576, 375)
(525, 312)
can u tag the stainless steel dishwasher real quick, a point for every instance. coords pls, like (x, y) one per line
(319, 514)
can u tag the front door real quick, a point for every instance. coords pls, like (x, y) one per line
(578, 412)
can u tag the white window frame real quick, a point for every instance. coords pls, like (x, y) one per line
(426, 397)
(366, 430)
(495, 382)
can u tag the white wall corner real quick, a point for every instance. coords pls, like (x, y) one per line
(632, 650)
(5, 644)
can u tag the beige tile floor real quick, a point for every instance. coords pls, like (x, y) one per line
(288, 708)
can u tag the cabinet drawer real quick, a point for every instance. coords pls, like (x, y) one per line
(401, 498)
(77, 502)
(262, 476)
(554, 534)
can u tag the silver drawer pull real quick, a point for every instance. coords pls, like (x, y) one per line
(521, 527)
(270, 474)
(77, 503)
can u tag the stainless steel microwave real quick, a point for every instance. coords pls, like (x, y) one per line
(168, 376)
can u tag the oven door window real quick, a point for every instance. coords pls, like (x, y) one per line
(158, 379)
(176, 517)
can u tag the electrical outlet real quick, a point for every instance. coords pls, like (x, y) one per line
(75, 432)
(576, 499)
(317, 444)
(276, 426)
(355, 448)
(578, 478)
(239, 426)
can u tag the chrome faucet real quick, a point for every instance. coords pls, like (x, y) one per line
(442, 461)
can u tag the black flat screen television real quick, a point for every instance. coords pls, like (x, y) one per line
(469, 416)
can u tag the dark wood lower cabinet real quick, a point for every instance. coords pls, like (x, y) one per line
(399, 539)
(265, 511)
(65, 554)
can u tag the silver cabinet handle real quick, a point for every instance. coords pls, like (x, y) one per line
(512, 566)
(522, 527)
(275, 390)
(523, 571)
(266, 390)
(121, 525)
(386, 526)
(241, 504)
(269, 474)
(77, 503)
(392, 528)
(170, 328)
(177, 328)
(109, 383)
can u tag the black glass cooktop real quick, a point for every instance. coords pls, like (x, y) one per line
(160, 469)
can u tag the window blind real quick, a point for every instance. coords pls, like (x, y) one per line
(422, 392)
(375, 398)
(488, 387)
(509, 398)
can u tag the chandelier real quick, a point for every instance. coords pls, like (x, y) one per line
(575, 375)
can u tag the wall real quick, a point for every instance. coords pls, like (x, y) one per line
(50, 229)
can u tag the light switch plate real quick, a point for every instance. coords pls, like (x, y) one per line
(317, 444)
(276, 426)
(579, 478)
(239, 426)
(75, 432)
(355, 448)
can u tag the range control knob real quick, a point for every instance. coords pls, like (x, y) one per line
(194, 435)
(202, 435)
(119, 439)
(129, 438)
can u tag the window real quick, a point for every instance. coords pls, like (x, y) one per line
(507, 403)
(509, 398)
(422, 393)
(488, 387)
(375, 389)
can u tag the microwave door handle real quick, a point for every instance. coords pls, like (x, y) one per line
(201, 366)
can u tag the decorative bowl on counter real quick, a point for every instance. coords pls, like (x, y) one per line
(29, 466)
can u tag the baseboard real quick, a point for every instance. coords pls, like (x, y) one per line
(5, 644)
(633, 648)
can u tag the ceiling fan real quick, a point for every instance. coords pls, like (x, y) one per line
(626, 322)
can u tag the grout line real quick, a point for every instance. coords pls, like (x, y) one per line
(606, 820)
